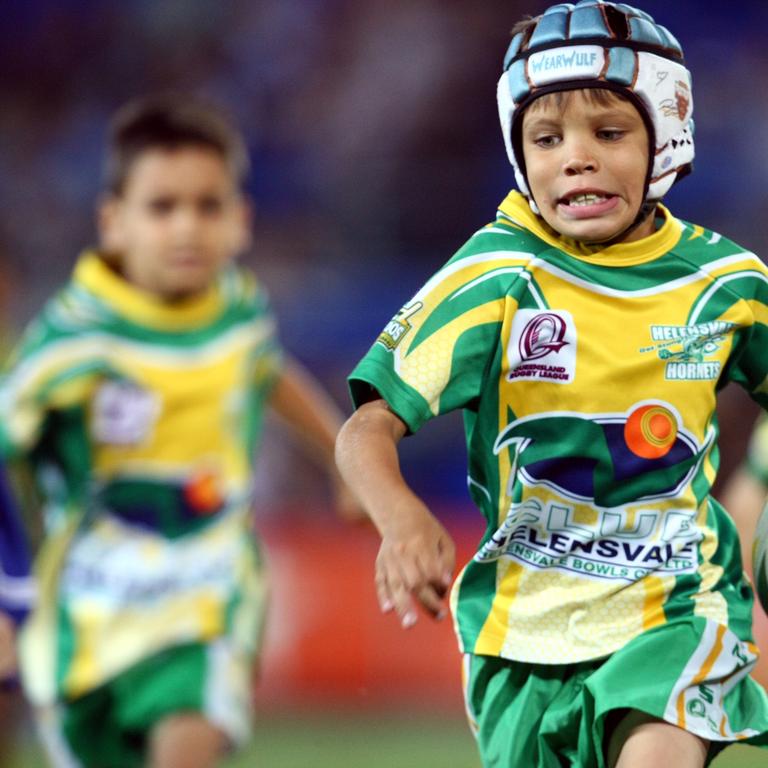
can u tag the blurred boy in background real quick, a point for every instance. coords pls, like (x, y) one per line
(138, 395)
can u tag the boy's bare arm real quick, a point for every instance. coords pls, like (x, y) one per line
(299, 399)
(417, 556)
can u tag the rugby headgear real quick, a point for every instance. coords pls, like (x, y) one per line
(597, 44)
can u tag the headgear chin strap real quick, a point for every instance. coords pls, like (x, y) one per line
(597, 44)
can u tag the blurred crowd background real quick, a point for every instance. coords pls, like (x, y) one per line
(376, 152)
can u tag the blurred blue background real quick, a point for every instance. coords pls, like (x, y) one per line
(376, 152)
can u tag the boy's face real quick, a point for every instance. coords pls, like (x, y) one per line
(178, 220)
(586, 162)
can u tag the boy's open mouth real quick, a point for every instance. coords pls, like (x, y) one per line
(581, 205)
(585, 198)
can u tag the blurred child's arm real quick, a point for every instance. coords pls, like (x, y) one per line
(299, 399)
(417, 556)
(744, 494)
(744, 497)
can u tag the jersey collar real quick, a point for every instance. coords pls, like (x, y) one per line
(93, 273)
(516, 208)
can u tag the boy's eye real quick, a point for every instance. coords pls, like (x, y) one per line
(610, 134)
(547, 140)
(210, 205)
(161, 206)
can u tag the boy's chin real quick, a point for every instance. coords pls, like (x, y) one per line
(180, 290)
(594, 235)
(186, 284)
(588, 231)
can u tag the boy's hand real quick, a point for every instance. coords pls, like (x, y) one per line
(8, 662)
(415, 564)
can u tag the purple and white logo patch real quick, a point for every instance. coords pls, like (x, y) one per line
(542, 346)
(123, 413)
(542, 335)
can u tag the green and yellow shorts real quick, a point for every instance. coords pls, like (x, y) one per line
(692, 672)
(110, 726)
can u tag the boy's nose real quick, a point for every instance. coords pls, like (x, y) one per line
(186, 220)
(577, 166)
(579, 161)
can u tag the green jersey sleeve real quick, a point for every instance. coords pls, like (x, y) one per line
(749, 362)
(53, 365)
(434, 355)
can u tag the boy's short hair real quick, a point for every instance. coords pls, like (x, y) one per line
(597, 96)
(526, 25)
(168, 122)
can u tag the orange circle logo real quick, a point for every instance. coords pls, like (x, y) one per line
(650, 431)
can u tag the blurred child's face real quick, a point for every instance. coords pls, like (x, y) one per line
(178, 220)
(586, 159)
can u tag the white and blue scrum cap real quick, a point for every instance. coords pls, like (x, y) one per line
(596, 44)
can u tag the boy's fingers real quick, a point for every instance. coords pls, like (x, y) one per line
(447, 551)
(432, 600)
(410, 574)
(429, 592)
(394, 595)
(382, 593)
(438, 570)
(403, 603)
(404, 578)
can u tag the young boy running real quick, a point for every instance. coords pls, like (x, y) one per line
(138, 395)
(605, 617)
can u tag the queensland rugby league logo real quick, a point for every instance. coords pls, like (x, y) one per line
(542, 346)
(542, 335)
(123, 413)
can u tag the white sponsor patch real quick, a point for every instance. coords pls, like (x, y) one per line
(542, 346)
(123, 414)
(567, 63)
(539, 534)
(116, 566)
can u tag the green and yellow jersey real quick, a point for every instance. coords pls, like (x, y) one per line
(141, 420)
(587, 378)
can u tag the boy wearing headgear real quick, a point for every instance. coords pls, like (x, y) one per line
(605, 616)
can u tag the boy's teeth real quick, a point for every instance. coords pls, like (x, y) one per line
(586, 199)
